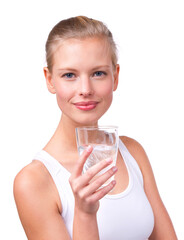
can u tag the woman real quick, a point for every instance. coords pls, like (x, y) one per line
(54, 199)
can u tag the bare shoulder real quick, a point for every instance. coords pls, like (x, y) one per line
(33, 183)
(137, 151)
(34, 176)
(131, 144)
(38, 203)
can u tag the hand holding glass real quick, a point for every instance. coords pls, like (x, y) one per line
(104, 141)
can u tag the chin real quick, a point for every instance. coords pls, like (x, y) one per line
(91, 119)
(87, 123)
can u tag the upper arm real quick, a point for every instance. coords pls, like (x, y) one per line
(163, 228)
(37, 208)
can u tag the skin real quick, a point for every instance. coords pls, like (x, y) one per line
(76, 78)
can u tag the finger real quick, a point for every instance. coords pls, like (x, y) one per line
(80, 163)
(96, 196)
(97, 168)
(98, 182)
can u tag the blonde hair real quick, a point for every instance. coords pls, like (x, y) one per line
(79, 27)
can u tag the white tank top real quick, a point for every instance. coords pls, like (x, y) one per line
(127, 215)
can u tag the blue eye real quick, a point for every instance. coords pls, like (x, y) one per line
(99, 74)
(68, 75)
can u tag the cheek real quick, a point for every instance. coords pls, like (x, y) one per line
(62, 97)
(106, 90)
(63, 92)
(106, 94)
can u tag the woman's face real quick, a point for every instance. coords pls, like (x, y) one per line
(83, 79)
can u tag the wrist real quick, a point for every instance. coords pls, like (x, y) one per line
(85, 226)
(84, 215)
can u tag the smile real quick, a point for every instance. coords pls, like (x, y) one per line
(86, 106)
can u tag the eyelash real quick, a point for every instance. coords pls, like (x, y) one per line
(97, 74)
(68, 75)
(101, 73)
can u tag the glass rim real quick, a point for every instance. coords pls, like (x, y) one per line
(100, 127)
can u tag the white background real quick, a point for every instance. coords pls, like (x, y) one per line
(148, 104)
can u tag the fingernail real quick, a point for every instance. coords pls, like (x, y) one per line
(114, 169)
(109, 160)
(113, 182)
(89, 148)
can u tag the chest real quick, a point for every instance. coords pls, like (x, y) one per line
(127, 215)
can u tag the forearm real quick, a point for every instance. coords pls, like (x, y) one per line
(85, 226)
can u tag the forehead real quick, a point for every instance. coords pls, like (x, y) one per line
(86, 51)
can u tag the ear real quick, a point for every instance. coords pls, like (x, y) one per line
(116, 77)
(49, 81)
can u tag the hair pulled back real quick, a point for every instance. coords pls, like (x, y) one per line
(79, 27)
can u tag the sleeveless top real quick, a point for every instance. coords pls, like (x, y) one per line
(127, 215)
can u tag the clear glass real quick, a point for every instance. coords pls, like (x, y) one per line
(103, 139)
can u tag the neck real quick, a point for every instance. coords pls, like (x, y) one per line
(63, 146)
(64, 135)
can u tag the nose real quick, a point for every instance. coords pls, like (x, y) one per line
(85, 88)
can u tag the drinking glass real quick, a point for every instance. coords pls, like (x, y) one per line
(104, 140)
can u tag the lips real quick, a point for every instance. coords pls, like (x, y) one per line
(86, 106)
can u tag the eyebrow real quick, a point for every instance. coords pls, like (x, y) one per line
(101, 66)
(73, 69)
(66, 69)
